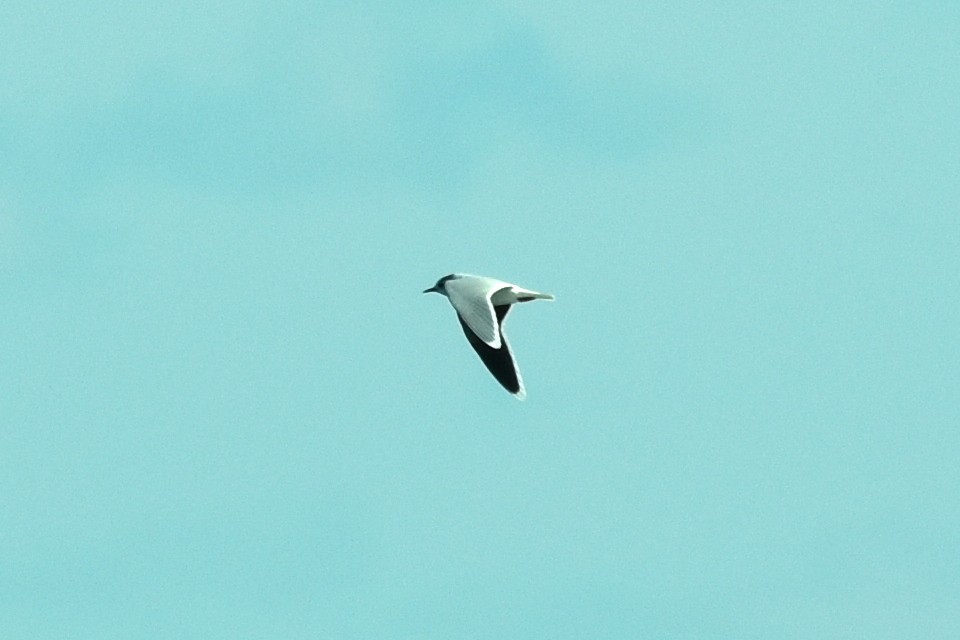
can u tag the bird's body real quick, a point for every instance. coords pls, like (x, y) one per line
(482, 304)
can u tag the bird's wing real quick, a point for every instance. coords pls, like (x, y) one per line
(500, 361)
(470, 296)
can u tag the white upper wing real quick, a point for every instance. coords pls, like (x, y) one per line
(470, 296)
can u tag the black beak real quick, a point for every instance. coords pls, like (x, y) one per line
(431, 290)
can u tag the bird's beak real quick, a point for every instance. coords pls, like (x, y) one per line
(431, 290)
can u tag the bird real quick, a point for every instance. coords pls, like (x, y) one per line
(482, 304)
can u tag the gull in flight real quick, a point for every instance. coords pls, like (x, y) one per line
(482, 304)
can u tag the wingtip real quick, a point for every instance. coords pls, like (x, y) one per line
(520, 394)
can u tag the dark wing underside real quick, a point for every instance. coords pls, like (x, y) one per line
(498, 361)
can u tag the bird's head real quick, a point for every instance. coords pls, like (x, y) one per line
(441, 286)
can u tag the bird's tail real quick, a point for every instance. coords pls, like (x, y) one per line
(526, 296)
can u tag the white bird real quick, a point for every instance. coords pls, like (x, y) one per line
(482, 304)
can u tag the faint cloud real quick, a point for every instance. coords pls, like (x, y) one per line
(457, 107)
(61, 59)
(272, 99)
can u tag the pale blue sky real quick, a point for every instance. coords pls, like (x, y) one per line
(228, 412)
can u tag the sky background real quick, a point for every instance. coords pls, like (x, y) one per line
(226, 410)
